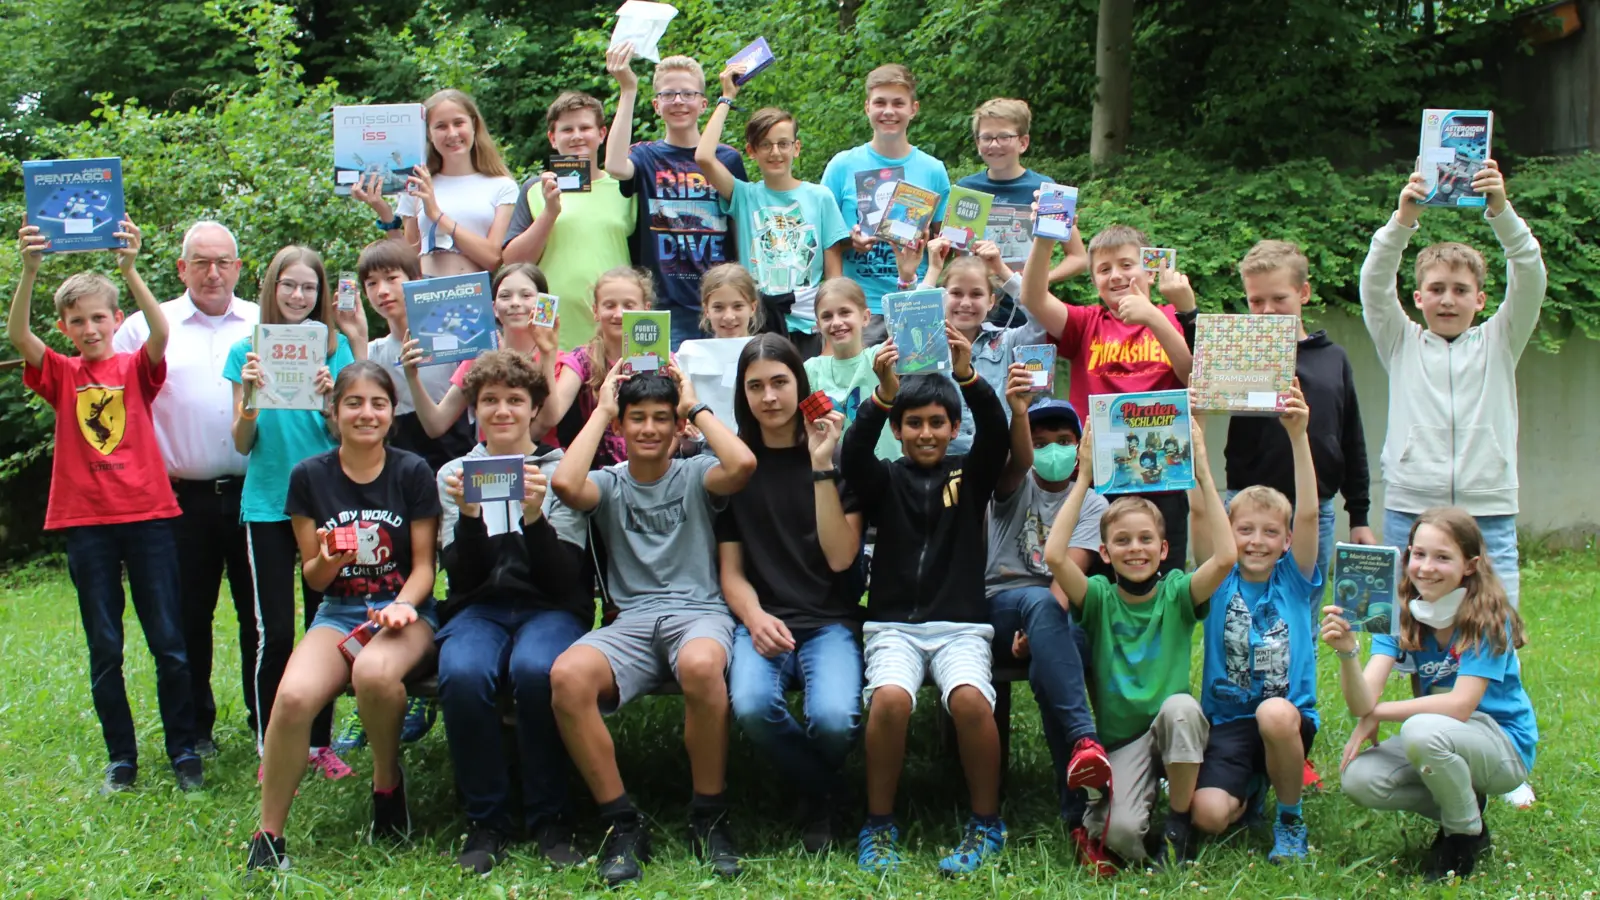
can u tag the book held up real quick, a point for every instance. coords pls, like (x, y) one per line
(756, 57)
(966, 217)
(1058, 211)
(389, 139)
(289, 357)
(1366, 583)
(1143, 442)
(1455, 143)
(1040, 361)
(916, 323)
(1244, 364)
(646, 340)
(77, 204)
(489, 478)
(909, 213)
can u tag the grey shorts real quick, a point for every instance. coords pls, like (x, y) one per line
(642, 646)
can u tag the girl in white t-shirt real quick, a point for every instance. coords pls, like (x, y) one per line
(457, 208)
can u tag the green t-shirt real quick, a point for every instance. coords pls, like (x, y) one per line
(1139, 652)
(849, 383)
(589, 237)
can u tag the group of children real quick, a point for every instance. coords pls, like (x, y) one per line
(730, 555)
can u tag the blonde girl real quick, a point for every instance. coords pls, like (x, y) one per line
(846, 374)
(730, 305)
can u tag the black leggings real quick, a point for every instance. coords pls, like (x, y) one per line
(274, 565)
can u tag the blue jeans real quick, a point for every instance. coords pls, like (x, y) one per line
(96, 555)
(1325, 536)
(478, 650)
(827, 662)
(1055, 669)
(1499, 541)
(685, 325)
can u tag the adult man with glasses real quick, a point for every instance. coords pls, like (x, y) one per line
(682, 230)
(194, 420)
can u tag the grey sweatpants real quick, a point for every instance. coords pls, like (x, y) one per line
(1178, 735)
(1435, 767)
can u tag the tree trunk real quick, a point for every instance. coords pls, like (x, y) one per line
(847, 15)
(1113, 72)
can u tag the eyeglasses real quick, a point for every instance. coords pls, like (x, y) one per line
(294, 287)
(225, 262)
(679, 96)
(768, 146)
(1003, 138)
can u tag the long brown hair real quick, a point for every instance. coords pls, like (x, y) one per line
(298, 255)
(1486, 607)
(486, 158)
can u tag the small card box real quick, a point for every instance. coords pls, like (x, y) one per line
(544, 310)
(816, 406)
(490, 478)
(358, 638)
(572, 172)
(1154, 259)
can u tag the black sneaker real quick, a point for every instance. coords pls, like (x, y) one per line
(267, 852)
(713, 843)
(190, 773)
(206, 748)
(120, 776)
(816, 824)
(1454, 854)
(390, 817)
(1177, 841)
(555, 844)
(484, 847)
(625, 848)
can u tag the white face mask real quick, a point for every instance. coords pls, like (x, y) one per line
(1440, 613)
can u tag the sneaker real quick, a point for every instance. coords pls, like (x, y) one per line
(1288, 839)
(1177, 840)
(391, 818)
(1311, 779)
(1521, 798)
(352, 735)
(1089, 768)
(484, 847)
(625, 848)
(1092, 854)
(190, 772)
(1455, 854)
(205, 748)
(875, 848)
(120, 776)
(979, 842)
(421, 713)
(267, 852)
(324, 760)
(555, 844)
(816, 825)
(713, 843)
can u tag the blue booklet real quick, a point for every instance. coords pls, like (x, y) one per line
(485, 479)
(757, 56)
(1365, 585)
(916, 322)
(1143, 442)
(452, 317)
(77, 203)
(389, 140)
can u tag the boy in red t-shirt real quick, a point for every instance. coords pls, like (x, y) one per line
(109, 492)
(1125, 344)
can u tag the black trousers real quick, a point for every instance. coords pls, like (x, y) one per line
(274, 570)
(210, 540)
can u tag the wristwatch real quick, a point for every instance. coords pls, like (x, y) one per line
(391, 225)
(1347, 654)
(825, 475)
(696, 410)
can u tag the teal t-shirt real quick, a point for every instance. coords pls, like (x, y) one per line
(1139, 652)
(283, 438)
(783, 236)
(849, 383)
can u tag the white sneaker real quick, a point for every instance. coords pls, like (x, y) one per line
(1521, 798)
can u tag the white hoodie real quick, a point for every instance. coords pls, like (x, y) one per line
(1452, 435)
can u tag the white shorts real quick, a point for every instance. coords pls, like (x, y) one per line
(902, 655)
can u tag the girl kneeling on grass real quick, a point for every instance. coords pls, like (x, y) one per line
(384, 503)
(1471, 731)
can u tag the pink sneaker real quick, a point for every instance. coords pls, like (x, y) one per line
(324, 760)
(1089, 768)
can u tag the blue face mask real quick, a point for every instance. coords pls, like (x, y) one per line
(1055, 462)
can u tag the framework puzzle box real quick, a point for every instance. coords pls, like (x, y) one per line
(1243, 364)
(77, 203)
(1143, 442)
(389, 139)
(1455, 142)
(452, 317)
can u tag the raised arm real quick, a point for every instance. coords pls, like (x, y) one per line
(528, 241)
(705, 154)
(1068, 574)
(735, 461)
(155, 344)
(1526, 278)
(838, 532)
(1019, 387)
(31, 245)
(436, 418)
(619, 62)
(1076, 261)
(1042, 306)
(1224, 553)
(571, 482)
(1296, 418)
(859, 462)
(1386, 321)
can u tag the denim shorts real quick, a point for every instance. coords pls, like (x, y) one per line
(345, 615)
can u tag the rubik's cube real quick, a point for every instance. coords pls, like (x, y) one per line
(816, 406)
(343, 539)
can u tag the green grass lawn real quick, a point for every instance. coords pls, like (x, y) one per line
(62, 839)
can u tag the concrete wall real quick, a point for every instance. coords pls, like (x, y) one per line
(1558, 397)
(1554, 92)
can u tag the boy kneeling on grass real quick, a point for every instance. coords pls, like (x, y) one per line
(1138, 631)
(927, 610)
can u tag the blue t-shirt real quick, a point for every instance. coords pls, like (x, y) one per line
(783, 236)
(1010, 226)
(1504, 700)
(857, 179)
(1260, 643)
(682, 229)
(283, 438)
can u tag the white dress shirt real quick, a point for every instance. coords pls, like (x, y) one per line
(194, 410)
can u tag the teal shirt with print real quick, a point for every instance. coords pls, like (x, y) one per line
(783, 239)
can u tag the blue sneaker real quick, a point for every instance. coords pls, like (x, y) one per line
(421, 713)
(978, 844)
(353, 736)
(1288, 839)
(876, 850)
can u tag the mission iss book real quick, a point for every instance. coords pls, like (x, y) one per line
(389, 140)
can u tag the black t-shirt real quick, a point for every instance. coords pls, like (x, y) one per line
(775, 518)
(382, 512)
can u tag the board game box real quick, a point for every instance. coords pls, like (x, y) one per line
(966, 216)
(1010, 230)
(572, 172)
(389, 140)
(1243, 364)
(77, 203)
(1455, 142)
(289, 357)
(873, 189)
(452, 317)
(909, 213)
(757, 57)
(490, 478)
(1366, 581)
(646, 340)
(1040, 360)
(1058, 211)
(1142, 442)
(916, 322)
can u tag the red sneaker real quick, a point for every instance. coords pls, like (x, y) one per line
(1310, 778)
(1093, 854)
(1089, 768)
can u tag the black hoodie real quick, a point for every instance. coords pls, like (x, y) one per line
(933, 546)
